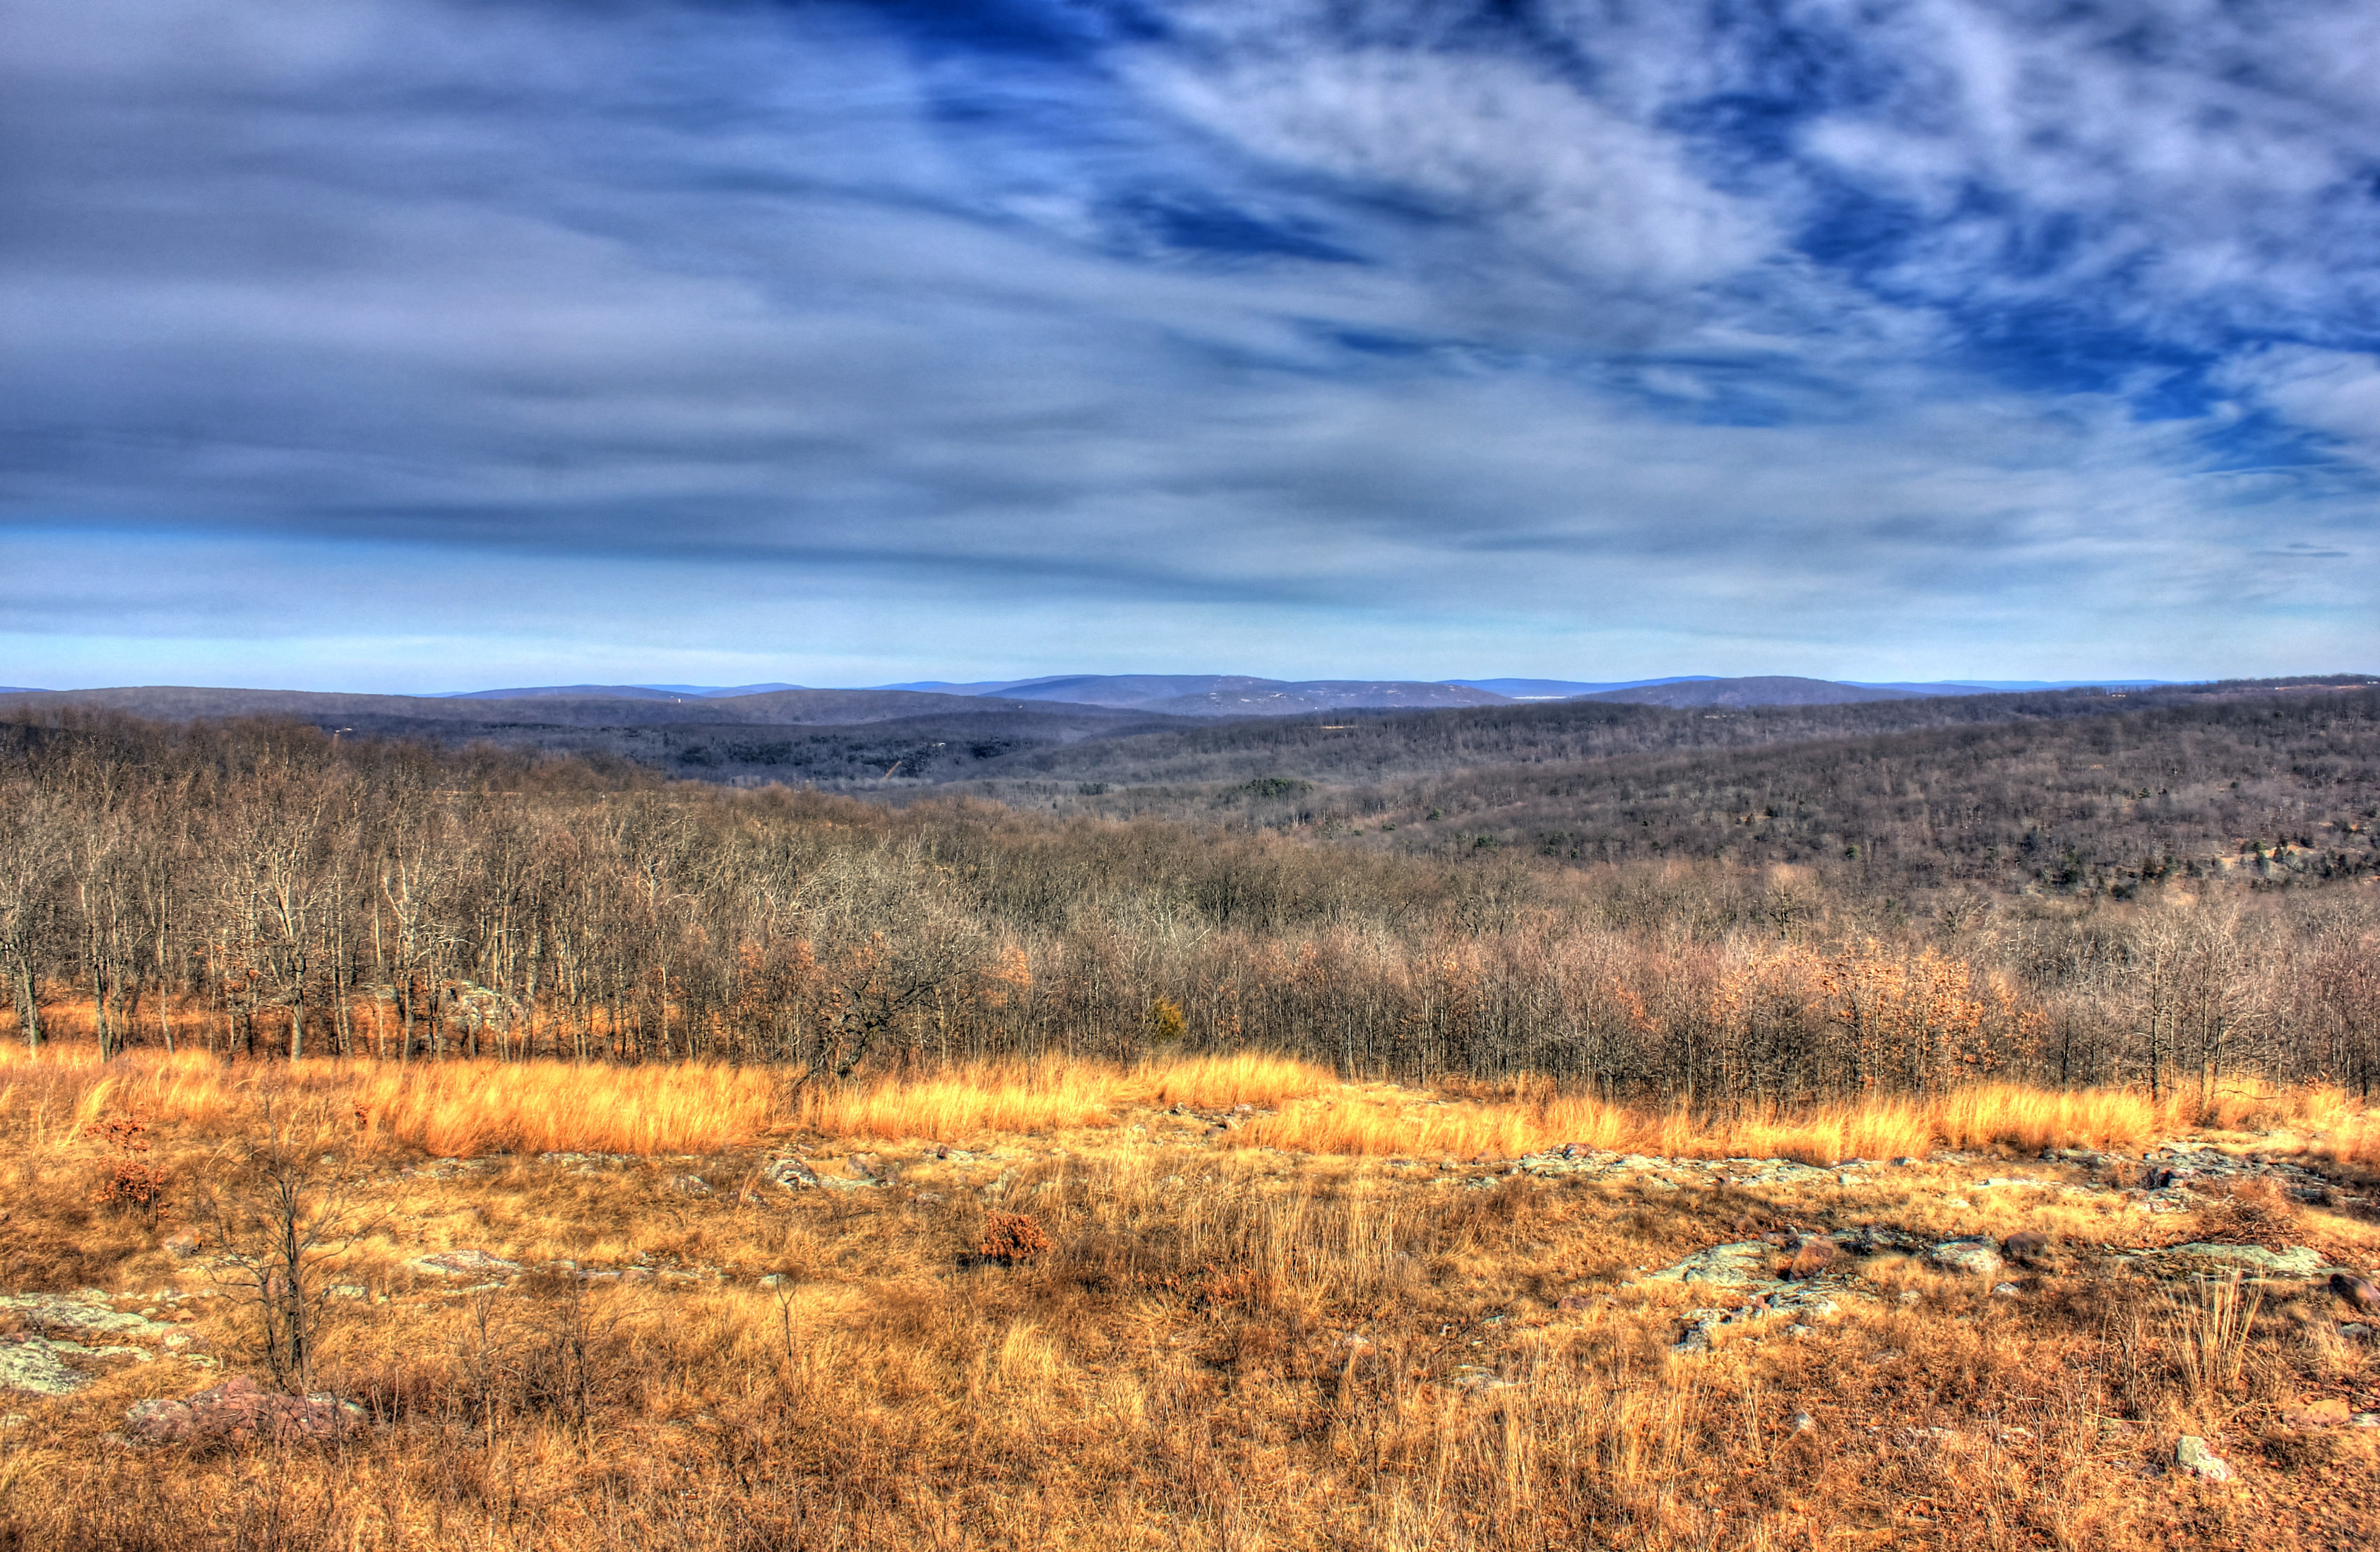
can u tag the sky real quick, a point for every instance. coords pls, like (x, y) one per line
(357, 345)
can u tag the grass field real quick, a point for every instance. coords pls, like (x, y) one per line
(1294, 1327)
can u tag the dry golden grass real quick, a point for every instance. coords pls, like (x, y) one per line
(461, 1108)
(965, 1101)
(445, 1108)
(1221, 1350)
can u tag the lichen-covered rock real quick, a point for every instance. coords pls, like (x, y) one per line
(1730, 1264)
(32, 1364)
(2192, 1454)
(2300, 1261)
(89, 1311)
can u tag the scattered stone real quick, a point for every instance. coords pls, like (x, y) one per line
(2328, 1413)
(239, 1409)
(790, 1173)
(2028, 1247)
(1972, 1257)
(462, 1264)
(2191, 1453)
(2359, 1294)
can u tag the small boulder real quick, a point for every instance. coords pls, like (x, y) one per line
(2359, 1294)
(2328, 1413)
(2028, 1247)
(2191, 1453)
(2006, 1290)
(1810, 1258)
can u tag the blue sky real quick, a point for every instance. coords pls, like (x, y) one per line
(348, 344)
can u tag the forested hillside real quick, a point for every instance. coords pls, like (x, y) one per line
(260, 888)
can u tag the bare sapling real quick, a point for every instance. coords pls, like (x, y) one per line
(283, 1221)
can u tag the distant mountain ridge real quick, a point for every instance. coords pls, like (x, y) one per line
(1768, 689)
(1202, 695)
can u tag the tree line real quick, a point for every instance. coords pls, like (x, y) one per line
(269, 891)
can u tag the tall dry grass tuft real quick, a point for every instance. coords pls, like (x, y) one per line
(962, 1101)
(456, 1109)
(1051, 1095)
(1223, 1082)
(448, 1109)
(2207, 1330)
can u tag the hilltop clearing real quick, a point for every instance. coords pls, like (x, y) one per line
(1164, 1322)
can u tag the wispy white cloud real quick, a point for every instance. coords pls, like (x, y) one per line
(1262, 340)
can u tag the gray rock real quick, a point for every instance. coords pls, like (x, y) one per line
(2191, 1453)
(1972, 1257)
(2006, 1290)
(1803, 1422)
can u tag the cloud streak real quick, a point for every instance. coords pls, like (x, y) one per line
(837, 344)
